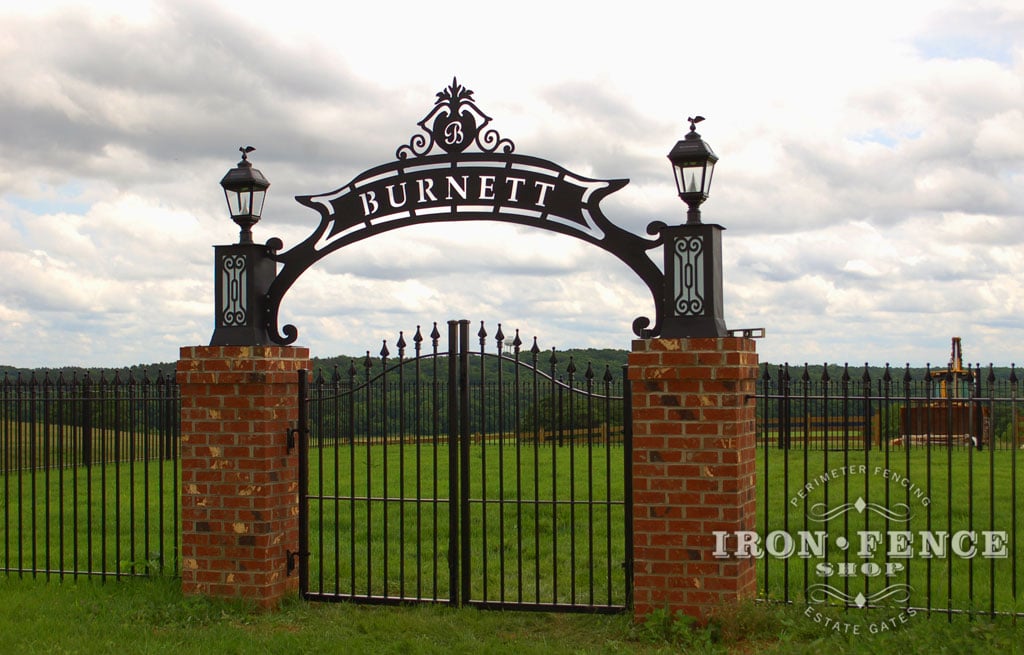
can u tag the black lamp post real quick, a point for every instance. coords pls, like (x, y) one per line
(244, 271)
(245, 188)
(693, 163)
(693, 251)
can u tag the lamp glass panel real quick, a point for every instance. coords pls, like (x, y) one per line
(678, 170)
(245, 202)
(692, 177)
(709, 174)
(689, 176)
(258, 196)
(234, 201)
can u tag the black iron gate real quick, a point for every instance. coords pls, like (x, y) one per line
(466, 477)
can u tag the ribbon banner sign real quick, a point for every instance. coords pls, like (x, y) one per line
(460, 169)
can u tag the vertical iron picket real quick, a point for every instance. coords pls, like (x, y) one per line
(62, 447)
(6, 436)
(499, 340)
(401, 464)
(336, 432)
(537, 432)
(556, 441)
(991, 478)
(588, 376)
(805, 388)
(385, 489)
(117, 434)
(435, 431)
(454, 502)
(463, 468)
(974, 393)
(865, 419)
(352, 389)
(482, 410)
(766, 458)
(418, 432)
(518, 435)
(87, 451)
(303, 442)
(1015, 437)
(571, 372)
(786, 434)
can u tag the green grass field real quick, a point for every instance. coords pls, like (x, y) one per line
(546, 523)
(150, 616)
(379, 522)
(944, 491)
(98, 520)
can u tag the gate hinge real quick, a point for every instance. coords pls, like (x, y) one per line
(292, 557)
(292, 435)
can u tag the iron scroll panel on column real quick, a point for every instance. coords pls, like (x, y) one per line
(453, 185)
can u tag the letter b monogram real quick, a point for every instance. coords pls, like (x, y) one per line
(453, 133)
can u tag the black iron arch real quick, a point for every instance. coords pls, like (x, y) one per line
(491, 183)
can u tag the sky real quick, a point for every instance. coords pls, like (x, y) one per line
(870, 180)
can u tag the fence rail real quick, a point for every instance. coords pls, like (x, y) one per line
(89, 475)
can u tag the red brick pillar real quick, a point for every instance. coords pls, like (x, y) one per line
(239, 483)
(693, 471)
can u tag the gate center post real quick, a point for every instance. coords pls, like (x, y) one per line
(693, 466)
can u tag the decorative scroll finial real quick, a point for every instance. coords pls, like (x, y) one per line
(454, 124)
(694, 121)
(245, 150)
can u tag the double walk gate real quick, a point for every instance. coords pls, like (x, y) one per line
(494, 479)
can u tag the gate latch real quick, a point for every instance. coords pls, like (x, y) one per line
(292, 557)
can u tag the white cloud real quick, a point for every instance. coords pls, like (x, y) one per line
(870, 180)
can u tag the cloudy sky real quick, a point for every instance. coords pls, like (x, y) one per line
(871, 177)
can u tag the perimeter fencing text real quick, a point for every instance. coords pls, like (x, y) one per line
(895, 488)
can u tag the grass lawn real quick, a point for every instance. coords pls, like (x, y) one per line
(944, 491)
(546, 524)
(151, 616)
(108, 518)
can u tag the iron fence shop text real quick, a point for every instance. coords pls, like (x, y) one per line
(889, 490)
(90, 475)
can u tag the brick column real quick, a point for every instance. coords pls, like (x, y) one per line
(693, 471)
(239, 491)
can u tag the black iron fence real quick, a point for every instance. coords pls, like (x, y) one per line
(891, 490)
(924, 464)
(89, 475)
(839, 408)
(497, 479)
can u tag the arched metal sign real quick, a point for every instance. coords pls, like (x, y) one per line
(457, 169)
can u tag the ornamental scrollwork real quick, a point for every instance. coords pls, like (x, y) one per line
(455, 183)
(453, 125)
